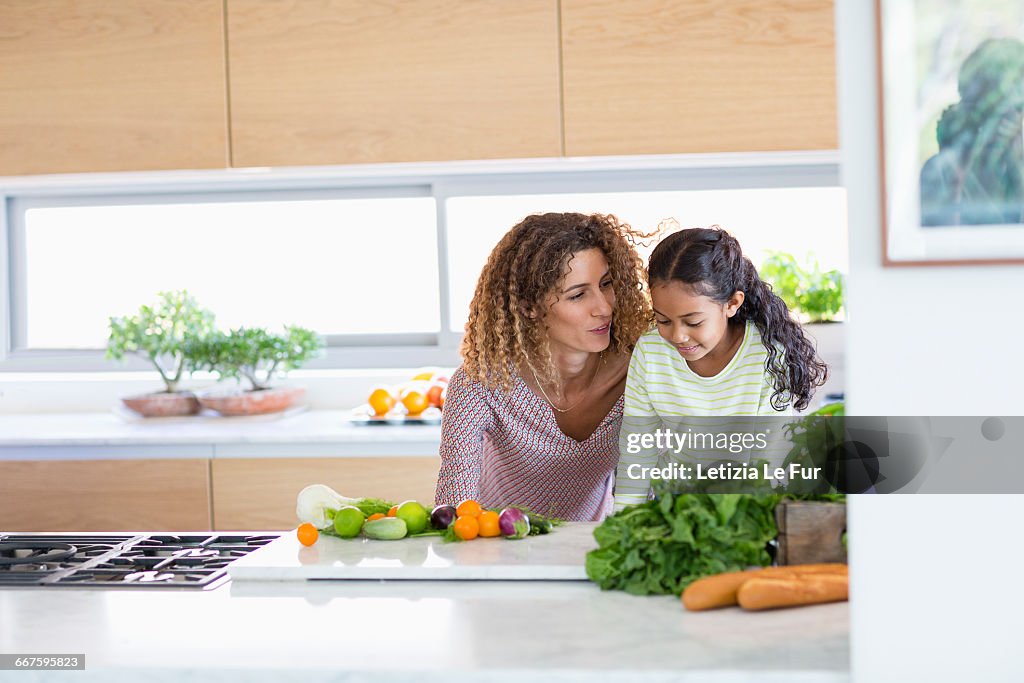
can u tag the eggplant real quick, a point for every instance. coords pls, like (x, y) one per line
(442, 517)
(513, 523)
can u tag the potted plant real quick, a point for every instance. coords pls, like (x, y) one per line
(160, 334)
(814, 296)
(253, 356)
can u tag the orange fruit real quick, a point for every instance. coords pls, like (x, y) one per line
(381, 401)
(468, 508)
(488, 521)
(415, 402)
(467, 528)
(376, 515)
(444, 396)
(307, 534)
(393, 511)
(434, 393)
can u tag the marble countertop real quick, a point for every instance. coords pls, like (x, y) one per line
(304, 434)
(446, 631)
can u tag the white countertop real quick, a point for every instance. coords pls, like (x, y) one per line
(306, 434)
(418, 631)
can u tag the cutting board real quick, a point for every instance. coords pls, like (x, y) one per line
(557, 556)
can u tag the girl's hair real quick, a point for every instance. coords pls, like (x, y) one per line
(506, 328)
(711, 263)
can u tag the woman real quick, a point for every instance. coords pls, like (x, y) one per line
(532, 417)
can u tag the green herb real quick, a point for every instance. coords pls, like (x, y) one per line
(662, 546)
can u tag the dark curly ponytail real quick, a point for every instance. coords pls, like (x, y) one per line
(712, 263)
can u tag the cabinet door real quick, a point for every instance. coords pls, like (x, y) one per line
(94, 85)
(664, 76)
(105, 495)
(352, 81)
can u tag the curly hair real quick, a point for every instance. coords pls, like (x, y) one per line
(506, 328)
(712, 263)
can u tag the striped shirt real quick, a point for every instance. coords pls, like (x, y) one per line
(506, 448)
(663, 392)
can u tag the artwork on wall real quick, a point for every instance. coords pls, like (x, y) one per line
(951, 87)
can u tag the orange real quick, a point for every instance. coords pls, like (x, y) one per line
(467, 528)
(415, 402)
(393, 511)
(307, 534)
(488, 520)
(468, 508)
(376, 515)
(434, 393)
(381, 401)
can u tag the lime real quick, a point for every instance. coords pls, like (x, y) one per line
(415, 516)
(348, 521)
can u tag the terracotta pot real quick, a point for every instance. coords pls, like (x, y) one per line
(164, 404)
(252, 402)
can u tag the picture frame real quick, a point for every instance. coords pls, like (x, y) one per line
(951, 131)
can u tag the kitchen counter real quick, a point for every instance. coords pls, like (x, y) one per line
(315, 433)
(423, 631)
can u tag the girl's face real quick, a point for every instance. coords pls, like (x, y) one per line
(693, 323)
(579, 311)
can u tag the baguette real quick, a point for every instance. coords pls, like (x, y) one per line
(720, 590)
(806, 589)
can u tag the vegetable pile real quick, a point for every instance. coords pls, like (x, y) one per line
(321, 509)
(662, 546)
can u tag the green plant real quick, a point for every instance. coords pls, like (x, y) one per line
(160, 333)
(810, 293)
(253, 354)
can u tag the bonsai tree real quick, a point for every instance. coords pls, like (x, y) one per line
(160, 334)
(254, 354)
(810, 293)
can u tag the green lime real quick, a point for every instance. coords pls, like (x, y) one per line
(348, 521)
(415, 516)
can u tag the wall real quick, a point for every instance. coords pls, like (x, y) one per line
(932, 576)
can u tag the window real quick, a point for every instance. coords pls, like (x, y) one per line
(382, 260)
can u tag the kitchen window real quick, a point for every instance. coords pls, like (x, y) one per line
(381, 260)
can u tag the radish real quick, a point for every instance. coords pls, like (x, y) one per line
(513, 523)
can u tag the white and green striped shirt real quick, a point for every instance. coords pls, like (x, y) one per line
(661, 388)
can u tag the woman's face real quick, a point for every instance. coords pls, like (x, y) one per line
(579, 311)
(693, 323)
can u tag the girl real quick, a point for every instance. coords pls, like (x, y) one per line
(723, 345)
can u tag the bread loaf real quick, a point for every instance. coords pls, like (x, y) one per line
(720, 590)
(805, 589)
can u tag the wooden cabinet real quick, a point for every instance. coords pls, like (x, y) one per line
(664, 76)
(94, 85)
(105, 495)
(352, 81)
(259, 493)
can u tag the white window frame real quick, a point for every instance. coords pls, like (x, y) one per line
(440, 181)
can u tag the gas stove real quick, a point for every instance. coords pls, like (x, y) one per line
(99, 560)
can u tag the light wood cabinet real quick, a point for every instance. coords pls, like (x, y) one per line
(664, 76)
(105, 495)
(259, 493)
(94, 85)
(352, 81)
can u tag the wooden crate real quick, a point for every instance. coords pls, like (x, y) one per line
(810, 532)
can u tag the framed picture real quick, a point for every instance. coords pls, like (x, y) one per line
(951, 110)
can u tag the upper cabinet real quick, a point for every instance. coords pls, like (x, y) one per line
(671, 76)
(351, 81)
(95, 85)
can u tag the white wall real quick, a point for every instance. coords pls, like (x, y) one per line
(933, 591)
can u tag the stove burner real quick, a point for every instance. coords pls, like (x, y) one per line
(35, 552)
(114, 561)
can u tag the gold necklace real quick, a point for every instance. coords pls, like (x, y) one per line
(589, 385)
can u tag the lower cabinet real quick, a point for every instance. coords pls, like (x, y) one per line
(105, 495)
(259, 493)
